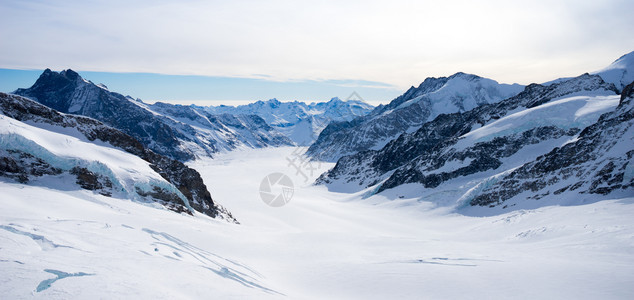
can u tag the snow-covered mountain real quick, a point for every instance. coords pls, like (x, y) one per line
(433, 97)
(41, 146)
(456, 154)
(181, 133)
(620, 72)
(299, 121)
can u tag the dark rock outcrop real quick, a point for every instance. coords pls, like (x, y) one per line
(92, 181)
(19, 165)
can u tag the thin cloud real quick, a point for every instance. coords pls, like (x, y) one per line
(397, 42)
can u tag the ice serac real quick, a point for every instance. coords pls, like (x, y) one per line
(183, 135)
(599, 162)
(433, 97)
(481, 142)
(164, 179)
(299, 121)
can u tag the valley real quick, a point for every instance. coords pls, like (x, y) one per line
(320, 245)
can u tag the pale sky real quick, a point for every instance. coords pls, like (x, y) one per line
(391, 43)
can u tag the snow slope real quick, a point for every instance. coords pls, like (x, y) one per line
(570, 112)
(321, 245)
(620, 72)
(128, 173)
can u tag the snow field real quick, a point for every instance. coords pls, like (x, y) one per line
(320, 245)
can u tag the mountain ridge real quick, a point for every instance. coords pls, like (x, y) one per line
(407, 112)
(432, 155)
(68, 92)
(301, 122)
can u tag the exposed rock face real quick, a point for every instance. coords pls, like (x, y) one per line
(67, 92)
(92, 181)
(424, 155)
(599, 162)
(457, 93)
(181, 133)
(23, 109)
(482, 157)
(21, 165)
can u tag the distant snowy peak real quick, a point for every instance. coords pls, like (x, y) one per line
(464, 92)
(461, 90)
(620, 72)
(299, 121)
(276, 112)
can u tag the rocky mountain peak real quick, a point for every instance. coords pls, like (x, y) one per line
(335, 100)
(70, 74)
(164, 131)
(273, 103)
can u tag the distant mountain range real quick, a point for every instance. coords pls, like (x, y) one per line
(570, 139)
(184, 132)
(299, 121)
